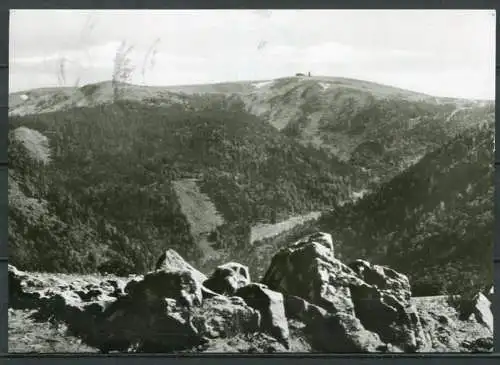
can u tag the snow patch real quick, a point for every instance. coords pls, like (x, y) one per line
(24, 97)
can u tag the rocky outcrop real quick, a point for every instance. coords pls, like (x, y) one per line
(228, 278)
(179, 285)
(375, 295)
(308, 301)
(482, 311)
(172, 261)
(383, 305)
(308, 269)
(384, 279)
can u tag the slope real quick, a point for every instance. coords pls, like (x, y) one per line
(433, 222)
(379, 129)
(117, 163)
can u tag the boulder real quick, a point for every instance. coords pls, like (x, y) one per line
(159, 325)
(395, 321)
(322, 238)
(181, 286)
(224, 317)
(171, 311)
(228, 278)
(170, 260)
(482, 311)
(378, 296)
(308, 269)
(341, 333)
(384, 279)
(270, 304)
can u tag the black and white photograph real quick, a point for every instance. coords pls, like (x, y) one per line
(251, 181)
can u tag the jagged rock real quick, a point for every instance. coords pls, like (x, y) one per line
(343, 333)
(384, 279)
(334, 333)
(166, 312)
(221, 317)
(179, 285)
(482, 311)
(157, 325)
(395, 321)
(271, 307)
(155, 316)
(307, 269)
(491, 293)
(322, 238)
(478, 307)
(228, 278)
(170, 260)
(383, 305)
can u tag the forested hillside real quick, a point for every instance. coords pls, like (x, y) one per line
(380, 130)
(111, 171)
(433, 222)
(260, 153)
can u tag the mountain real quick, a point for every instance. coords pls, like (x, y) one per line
(433, 222)
(132, 175)
(379, 129)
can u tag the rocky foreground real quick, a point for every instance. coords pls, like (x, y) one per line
(308, 301)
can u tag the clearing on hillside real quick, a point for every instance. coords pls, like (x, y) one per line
(199, 210)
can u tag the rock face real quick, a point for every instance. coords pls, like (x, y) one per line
(228, 278)
(308, 301)
(270, 304)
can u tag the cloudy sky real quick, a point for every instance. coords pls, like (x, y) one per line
(444, 53)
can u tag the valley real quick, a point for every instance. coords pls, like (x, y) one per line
(235, 172)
